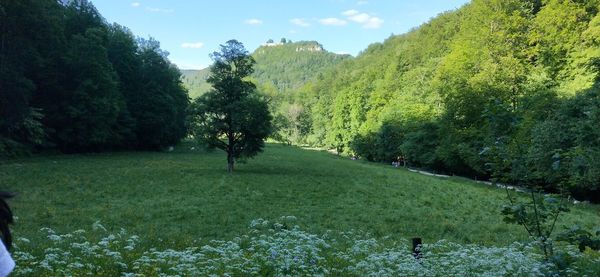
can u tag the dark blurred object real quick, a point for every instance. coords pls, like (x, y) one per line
(6, 217)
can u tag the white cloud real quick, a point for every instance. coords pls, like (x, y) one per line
(350, 12)
(360, 18)
(135, 4)
(299, 22)
(366, 20)
(332, 21)
(159, 10)
(253, 21)
(193, 45)
(373, 23)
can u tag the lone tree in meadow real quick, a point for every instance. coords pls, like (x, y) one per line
(232, 116)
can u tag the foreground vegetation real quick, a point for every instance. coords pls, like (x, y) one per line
(281, 248)
(185, 198)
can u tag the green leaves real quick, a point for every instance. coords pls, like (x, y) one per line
(580, 237)
(514, 214)
(71, 81)
(537, 214)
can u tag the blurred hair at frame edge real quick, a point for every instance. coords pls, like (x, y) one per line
(7, 264)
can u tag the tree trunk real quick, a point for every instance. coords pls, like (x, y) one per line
(230, 151)
(230, 166)
(230, 162)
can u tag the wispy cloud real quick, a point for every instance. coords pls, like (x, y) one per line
(193, 45)
(360, 18)
(159, 10)
(373, 23)
(135, 4)
(253, 21)
(366, 20)
(350, 12)
(299, 22)
(333, 21)
(360, 3)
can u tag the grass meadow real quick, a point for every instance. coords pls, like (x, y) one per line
(185, 195)
(175, 199)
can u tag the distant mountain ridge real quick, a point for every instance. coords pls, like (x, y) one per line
(282, 66)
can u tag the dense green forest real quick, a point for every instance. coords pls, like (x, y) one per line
(503, 89)
(73, 82)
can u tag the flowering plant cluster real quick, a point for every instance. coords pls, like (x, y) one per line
(281, 248)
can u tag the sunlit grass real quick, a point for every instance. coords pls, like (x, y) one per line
(174, 198)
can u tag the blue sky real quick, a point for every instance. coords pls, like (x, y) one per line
(191, 29)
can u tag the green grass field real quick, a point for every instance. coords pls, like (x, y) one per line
(174, 198)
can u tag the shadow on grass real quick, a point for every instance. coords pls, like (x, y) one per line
(301, 172)
(258, 170)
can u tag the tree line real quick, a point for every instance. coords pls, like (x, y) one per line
(73, 82)
(498, 88)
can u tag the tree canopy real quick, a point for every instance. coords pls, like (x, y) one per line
(71, 81)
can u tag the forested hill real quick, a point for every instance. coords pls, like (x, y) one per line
(280, 67)
(289, 65)
(195, 81)
(497, 88)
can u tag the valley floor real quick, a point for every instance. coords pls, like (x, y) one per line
(180, 196)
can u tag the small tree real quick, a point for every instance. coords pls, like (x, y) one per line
(231, 117)
(536, 212)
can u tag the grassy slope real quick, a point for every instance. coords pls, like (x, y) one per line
(185, 195)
